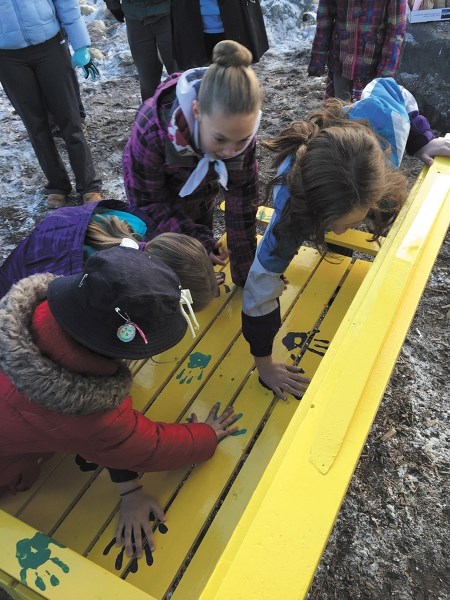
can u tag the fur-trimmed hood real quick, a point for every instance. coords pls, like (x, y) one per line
(46, 383)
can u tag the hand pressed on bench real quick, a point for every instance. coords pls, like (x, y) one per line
(220, 422)
(133, 523)
(280, 378)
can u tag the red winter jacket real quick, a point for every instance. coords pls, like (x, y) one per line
(57, 396)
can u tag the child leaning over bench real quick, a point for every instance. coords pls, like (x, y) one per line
(62, 242)
(63, 387)
(334, 172)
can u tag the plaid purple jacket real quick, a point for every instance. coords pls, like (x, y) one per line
(358, 39)
(154, 173)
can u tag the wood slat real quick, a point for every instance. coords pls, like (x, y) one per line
(55, 572)
(231, 509)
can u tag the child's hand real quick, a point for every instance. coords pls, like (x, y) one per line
(219, 255)
(281, 378)
(285, 281)
(220, 422)
(437, 147)
(134, 521)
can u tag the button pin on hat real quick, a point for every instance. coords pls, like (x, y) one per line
(127, 331)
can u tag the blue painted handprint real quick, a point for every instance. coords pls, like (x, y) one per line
(196, 365)
(33, 553)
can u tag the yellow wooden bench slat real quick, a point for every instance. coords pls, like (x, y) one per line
(218, 534)
(15, 503)
(263, 561)
(16, 590)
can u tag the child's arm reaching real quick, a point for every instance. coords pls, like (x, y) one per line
(437, 147)
(261, 309)
(136, 505)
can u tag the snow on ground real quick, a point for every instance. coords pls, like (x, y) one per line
(22, 197)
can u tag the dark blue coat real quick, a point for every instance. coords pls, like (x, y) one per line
(56, 244)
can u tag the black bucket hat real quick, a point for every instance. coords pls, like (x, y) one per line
(126, 304)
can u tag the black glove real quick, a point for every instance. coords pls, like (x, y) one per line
(118, 14)
(90, 69)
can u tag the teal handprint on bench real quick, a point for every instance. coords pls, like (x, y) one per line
(196, 365)
(34, 554)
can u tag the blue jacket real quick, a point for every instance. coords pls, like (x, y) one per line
(392, 113)
(29, 22)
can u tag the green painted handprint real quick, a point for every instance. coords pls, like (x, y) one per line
(197, 362)
(33, 553)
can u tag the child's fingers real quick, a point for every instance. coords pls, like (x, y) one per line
(231, 431)
(158, 512)
(212, 415)
(234, 417)
(128, 543)
(137, 541)
(148, 533)
(228, 419)
(119, 533)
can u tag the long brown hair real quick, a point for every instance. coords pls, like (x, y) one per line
(190, 261)
(338, 165)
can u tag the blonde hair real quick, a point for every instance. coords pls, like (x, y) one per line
(183, 254)
(230, 84)
(106, 232)
(190, 261)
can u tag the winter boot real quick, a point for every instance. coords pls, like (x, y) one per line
(56, 200)
(92, 197)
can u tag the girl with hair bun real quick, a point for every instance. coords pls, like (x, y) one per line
(194, 137)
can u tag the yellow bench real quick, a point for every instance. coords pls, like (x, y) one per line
(254, 520)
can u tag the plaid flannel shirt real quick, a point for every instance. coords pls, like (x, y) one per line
(154, 173)
(358, 39)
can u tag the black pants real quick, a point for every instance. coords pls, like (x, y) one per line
(37, 78)
(150, 43)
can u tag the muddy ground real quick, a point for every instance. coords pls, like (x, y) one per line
(391, 538)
